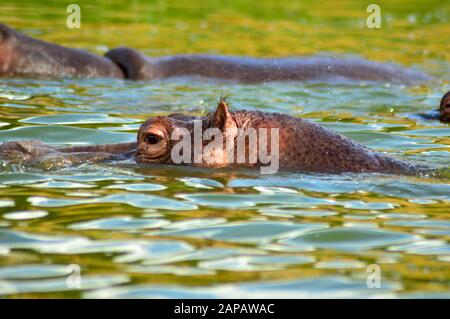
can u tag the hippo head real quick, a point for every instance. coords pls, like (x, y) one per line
(166, 139)
(444, 108)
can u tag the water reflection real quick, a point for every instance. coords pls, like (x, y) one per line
(183, 232)
(326, 287)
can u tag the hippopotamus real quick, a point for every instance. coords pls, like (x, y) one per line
(444, 108)
(442, 113)
(300, 145)
(23, 56)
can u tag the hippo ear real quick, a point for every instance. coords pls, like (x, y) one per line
(222, 117)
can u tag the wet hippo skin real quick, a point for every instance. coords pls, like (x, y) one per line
(35, 154)
(441, 114)
(303, 146)
(23, 56)
(444, 108)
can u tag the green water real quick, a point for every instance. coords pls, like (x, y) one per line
(162, 231)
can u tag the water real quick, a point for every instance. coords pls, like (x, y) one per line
(164, 231)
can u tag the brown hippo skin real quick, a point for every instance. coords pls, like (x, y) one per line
(35, 154)
(444, 108)
(22, 56)
(303, 146)
(442, 113)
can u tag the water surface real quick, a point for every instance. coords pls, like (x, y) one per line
(162, 231)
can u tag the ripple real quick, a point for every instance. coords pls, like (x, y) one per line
(428, 132)
(128, 250)
(136, 200)
(76, 119)
(416, 190)
(434, 232)
(349, 238)
(14, 96)
(358, 204)
(255, 263)
(21, 178)
(173, 270)
(424, 247)
(379, 140)
(148, 187)
(17, 106)
(195, 223)
(246, 232)
(22, 240)
(295, 212)
(435, 223)
(120, 223)
(233, 240)
(323, 287)
(65, 135)
(400, 187)
(34, 271)
(201, 182)
(246, 200)
(100, 176)
(274, 190)
(158, 250)
(401, 216)
(61, 184)
(339, 264)
(132, 250)
(6, 203)
(58, 285)
(25, 215)
(315, 183)
(200, 254)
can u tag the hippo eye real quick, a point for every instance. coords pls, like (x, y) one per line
(152, 139)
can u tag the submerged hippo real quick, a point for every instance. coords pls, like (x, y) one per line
(22, 56)
(442, 113)
(288, 143)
